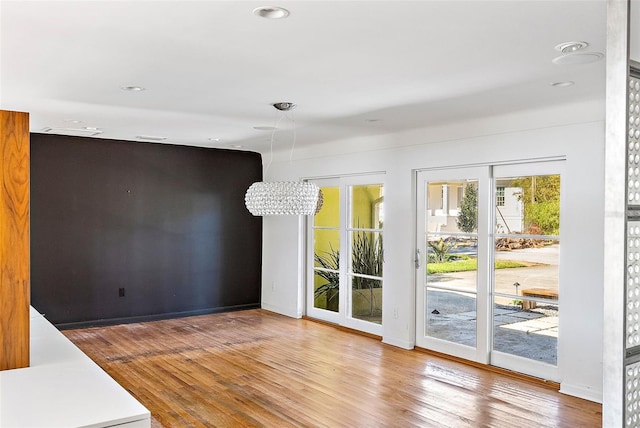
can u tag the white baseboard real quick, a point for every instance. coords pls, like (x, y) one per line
(281, 311)
(400, 343)
(581, 392)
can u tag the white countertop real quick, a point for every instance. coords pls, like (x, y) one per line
(63, 388)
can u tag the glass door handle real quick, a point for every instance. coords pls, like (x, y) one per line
(416, 261)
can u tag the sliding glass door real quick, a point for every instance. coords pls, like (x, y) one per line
(451, 269)
(487, 263)
(347, 290)
(526, 274)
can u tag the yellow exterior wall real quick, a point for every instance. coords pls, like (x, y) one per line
(324, 240)
(329, 215)
(362, 201)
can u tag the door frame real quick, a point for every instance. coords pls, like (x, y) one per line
(483, 352)
(502, 359)
(479, 353)
(343, 316)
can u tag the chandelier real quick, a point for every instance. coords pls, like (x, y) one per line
(283, 197)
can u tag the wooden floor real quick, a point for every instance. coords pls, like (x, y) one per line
(256, 368)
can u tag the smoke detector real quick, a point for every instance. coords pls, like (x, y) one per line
(284, 106)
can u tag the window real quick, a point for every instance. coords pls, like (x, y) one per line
(500, 196)
(347, 290)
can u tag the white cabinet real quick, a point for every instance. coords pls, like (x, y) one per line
(64, 388)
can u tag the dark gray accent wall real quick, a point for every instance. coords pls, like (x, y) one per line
(164, 225)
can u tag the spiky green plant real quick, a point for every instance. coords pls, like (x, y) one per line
(439, 250)
(330, 260)
(366, 259)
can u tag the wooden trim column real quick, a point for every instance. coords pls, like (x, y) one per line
(14, 240)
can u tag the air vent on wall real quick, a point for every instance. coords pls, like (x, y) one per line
(75, 132)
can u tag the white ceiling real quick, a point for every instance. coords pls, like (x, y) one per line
(212, 69)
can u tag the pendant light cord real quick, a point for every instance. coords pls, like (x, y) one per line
(277, 121)
(293, 144)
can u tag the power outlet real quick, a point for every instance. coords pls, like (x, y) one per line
(121, 292)
(395, 313)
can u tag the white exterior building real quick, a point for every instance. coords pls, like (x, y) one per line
(445, 200)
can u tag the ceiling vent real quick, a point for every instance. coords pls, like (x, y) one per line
(150, 138)
(75, 132)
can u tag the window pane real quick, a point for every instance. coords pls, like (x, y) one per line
(452, 206)
(451, 316)
(527, 268)
(329, 214)
(326, 293)
(530, 205)
(452, 262)
(326, 248)
(367, 207)
(366, 299)
(531, 333)
(533, 265)
(366, 253)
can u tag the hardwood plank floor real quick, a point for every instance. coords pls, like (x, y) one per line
(257, 368)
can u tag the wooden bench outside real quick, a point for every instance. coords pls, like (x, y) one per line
(543, 293)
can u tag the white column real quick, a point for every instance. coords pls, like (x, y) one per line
(615, 213)
(445, 199)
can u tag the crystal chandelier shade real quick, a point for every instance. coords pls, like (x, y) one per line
(283, 198)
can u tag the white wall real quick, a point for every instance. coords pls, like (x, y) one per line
(634, 30)
(581, 276)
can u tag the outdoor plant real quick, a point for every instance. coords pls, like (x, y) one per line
(330, 260)
(541, 199)
(468, 219)
(439, 251)
(366, 258)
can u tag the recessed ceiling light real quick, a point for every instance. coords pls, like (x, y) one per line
(265, 128)
(90, 128)
(562, 84)
(215, 140)
(570, 47)
(73, 121)
(578, 58)
(236, 146)
(284, 106)
(132, 88)
(271, 12)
